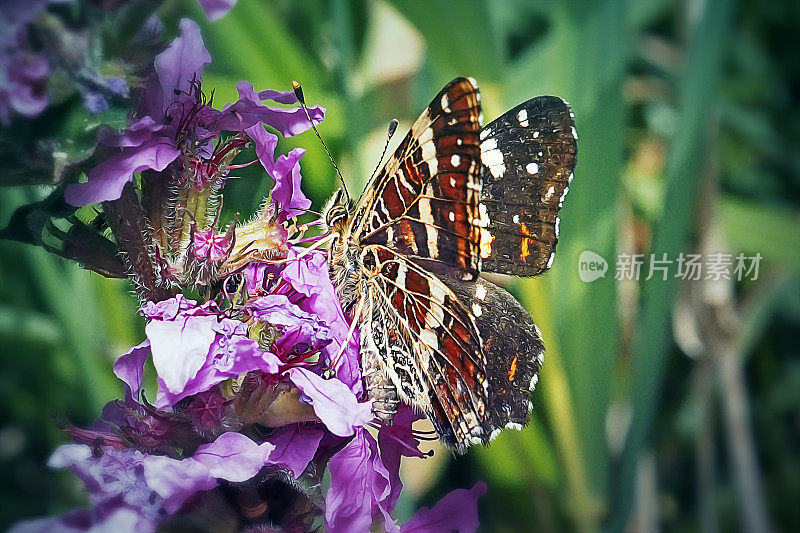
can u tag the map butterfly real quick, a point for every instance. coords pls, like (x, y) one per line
(454, 200)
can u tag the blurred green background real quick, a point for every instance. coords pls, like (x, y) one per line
(662, 405)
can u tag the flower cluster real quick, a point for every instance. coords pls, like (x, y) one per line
(23, 71)
(25, 67)
(259, 389)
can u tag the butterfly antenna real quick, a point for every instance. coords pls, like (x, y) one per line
(298, 92)
(389, 134)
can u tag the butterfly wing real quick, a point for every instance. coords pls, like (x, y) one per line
(513, 348)
(424, 202)
(528, 155)
(428, 344)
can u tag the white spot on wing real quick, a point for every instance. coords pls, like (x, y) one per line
(563, 195)
(476, 309)
(452, 216)
(574, 133)
(445, 103)
(516, 219)
(437, 294)
(480, 292)
(401, 275)
(428, 337)
(492, 157)
(522, 118)
(429, 150)
(427, 217)
(535, 134)
(532, 168)
(455, 160)
(486, 236)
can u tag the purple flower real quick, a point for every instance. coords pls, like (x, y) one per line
(286, 193)
(194, 349)
(209, 245)
(178, 68)
(364, 489)
(107, 179)
(295, 446)
(151, 487)
(23, 84)
(129, 368)
(216, 9)
(207, 411)
(254, 277)
(233, 457)
(116, 475)
(302, 332)
(249, 110)
(23, 74)
(333, 402)
(360, 487)
(397, 441)
(457, 511)
(309, 276)
(173, 109)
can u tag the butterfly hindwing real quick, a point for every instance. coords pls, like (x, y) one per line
(528, 155)
(432, 350)
(424, 202)
(513, 348)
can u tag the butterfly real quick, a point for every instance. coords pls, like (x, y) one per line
(455, 199)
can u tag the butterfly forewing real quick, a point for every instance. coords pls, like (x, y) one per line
(528, 155)
(424, 203)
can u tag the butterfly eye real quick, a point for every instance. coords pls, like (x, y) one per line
(337, 210)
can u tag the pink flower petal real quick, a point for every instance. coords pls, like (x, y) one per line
(107, 179)
(180, 348)
(457, 511)
(333, 402)
(233, 457)
(182, 62)
(295, 446)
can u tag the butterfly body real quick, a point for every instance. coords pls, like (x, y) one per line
(405, 262)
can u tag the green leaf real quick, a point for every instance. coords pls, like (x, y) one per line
(458, 36)
(771, 232)
(671, 236)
